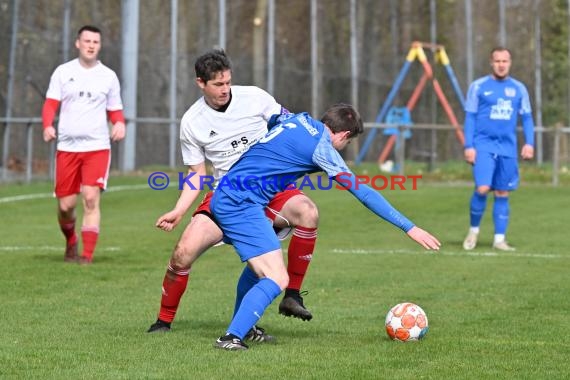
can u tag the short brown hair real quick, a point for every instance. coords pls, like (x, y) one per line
(343, 117)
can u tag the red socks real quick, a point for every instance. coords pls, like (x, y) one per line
(89, 235)
(300, 253)
(68, 229)
(173, 287)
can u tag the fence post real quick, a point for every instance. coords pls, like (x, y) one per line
(556, 155)
(401, 148)
(29, 151)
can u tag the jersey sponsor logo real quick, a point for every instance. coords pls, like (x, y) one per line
(503, 110)
(510, 92)
(213, 133)
(487, 93)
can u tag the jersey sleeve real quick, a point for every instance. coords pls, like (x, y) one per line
(192, 152)
(526, 116)
(269, 105)
(54, 88)
(114, 102)
(327, 158)
(472, 99)
(375, 202)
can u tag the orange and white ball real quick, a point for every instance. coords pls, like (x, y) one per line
(406, 322)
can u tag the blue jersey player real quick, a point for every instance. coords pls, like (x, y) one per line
(296, 145)
(494, 104)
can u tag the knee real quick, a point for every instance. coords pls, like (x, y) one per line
(483, 190)
(90, 203)
(501, 194)
(308, 214)
(181, 258)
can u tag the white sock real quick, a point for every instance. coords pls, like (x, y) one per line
(499, 238)
(474, 230)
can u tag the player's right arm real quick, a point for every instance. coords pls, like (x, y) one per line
(471, 108)
(48, 115)
(171, 219)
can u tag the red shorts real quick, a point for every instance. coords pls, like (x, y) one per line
(73, 169)
(274, 206)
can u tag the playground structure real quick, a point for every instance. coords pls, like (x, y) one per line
(402, 116)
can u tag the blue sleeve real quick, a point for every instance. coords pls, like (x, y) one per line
(374, 201)
(328, 158)
(469, 129)
(528, 128)
(526, 116)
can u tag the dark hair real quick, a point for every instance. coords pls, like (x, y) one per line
(343, 117)
(209, 64)
(500, 48)
(89, 28)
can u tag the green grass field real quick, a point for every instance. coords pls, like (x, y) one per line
(492, 315)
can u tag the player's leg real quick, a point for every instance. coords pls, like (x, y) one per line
(292, 208)
(483, 170)
(67, 186)
(94, 175)
(506, 180)
(200, 234)
(251, 234)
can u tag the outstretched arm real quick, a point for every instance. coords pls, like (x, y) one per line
(170, 220)
(376, 203)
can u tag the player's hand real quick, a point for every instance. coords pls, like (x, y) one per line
(49, 133)
(118, 132)
(470, 154)
(527, 152)
(424, 238)
(169, 221)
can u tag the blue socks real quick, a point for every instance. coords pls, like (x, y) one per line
(477, 208)
(253, 306)
(501, 215)
(247, 280)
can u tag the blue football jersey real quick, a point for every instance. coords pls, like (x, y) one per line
(295, 145)
(494, 106)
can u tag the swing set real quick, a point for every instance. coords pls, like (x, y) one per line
(400, 116)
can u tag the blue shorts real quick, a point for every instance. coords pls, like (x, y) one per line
(245, 226)
(497, 172)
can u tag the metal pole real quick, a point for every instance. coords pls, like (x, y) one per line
(173, 60)
(29, 151)
(469, 38)
(538, 81)
(271, 46)
(433, 134)
(353, 55)
(222, 24)
(555, 158)
(65, 30)
(10, 90)
(568, 36)
(129, 65)
(314, 61)
(502, 22)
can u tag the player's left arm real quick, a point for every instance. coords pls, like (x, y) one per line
(117, 119)
(332, 163)
(115, 109)
(527, 151)
(376, 203)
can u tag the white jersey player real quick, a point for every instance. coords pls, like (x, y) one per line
(89, 94)
(219, 128)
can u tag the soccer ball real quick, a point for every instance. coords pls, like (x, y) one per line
(405, 322)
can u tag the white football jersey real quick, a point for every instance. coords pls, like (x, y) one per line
(85, 95)
(222, 137)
